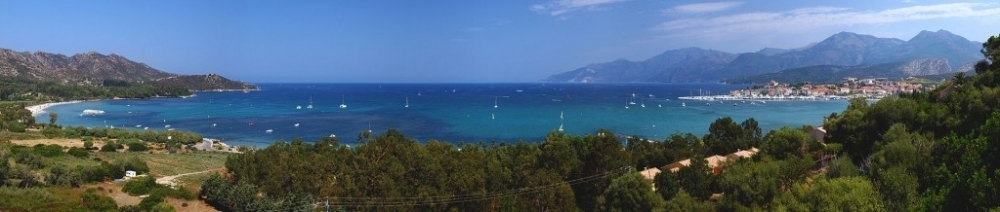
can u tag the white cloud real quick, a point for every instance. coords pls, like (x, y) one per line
(705, 7)
(559, 7)
(804, 19)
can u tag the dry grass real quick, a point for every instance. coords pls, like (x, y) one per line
(65, 142)
(194, 181)
(171, 164)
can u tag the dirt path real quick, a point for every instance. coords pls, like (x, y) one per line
(169, 180)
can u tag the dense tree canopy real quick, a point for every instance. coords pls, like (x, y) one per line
(932, 150)
(12, 88)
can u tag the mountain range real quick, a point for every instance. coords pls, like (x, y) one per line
(93, 68)
(845, 53)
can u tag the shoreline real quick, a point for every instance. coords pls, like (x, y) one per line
(39, 109)
(208, 144)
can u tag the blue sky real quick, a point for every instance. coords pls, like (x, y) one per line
(451, 41)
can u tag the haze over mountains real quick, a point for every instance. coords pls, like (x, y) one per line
(927, 53)
(93, 68)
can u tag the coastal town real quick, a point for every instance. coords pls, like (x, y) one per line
(848, 88)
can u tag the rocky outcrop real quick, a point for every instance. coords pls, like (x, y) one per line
(206, 82)
(926, 66)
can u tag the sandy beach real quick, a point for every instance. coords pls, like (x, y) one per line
(40, 109)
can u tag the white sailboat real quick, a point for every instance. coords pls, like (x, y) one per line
(296, 124)
(560, 121)
(298, 107)
(683, 105)
(310, 106)
(626, 103)
(633, 99)
(643, 103)
(342, 103)
(407, 102)
(495, 103)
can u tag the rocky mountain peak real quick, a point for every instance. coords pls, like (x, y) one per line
(928, 50)
(939, 36)
(854, 41)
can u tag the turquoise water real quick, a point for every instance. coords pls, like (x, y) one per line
(445, 112)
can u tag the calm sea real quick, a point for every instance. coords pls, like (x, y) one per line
(445, 112)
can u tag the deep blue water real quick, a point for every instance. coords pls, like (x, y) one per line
(445, 112)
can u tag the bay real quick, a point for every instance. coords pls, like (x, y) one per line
(445, 112)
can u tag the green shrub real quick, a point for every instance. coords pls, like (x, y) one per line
(95, 202)
(137, 146)
(52, 132)
(184, 193)
(162, 207)
(134, 164)
(110, 146)
(150, 201)
(87, 143)
(60, 175)
(30, 160)
(49, 151)
(78, 152)
(139, 186)
(130, 208)
(70, 133)
(17, 127)
(95, 173)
